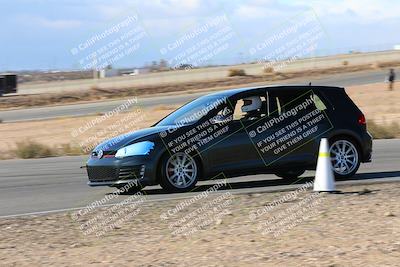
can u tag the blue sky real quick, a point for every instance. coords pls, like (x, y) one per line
(39, 34)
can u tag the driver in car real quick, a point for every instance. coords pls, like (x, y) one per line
(252, 108)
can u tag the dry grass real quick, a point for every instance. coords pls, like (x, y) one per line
(97, 93)
(376, 102)
(37, 77)
(32, 149)
(236, 72)
(390, 64)
(269, 70)
(383, 131)
(163, 107)
(29, 149)
(70, 150)
(379, 106)
(56, 134)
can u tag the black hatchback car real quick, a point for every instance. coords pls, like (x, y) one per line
(275, 129)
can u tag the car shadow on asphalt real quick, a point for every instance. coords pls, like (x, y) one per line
(272, 182)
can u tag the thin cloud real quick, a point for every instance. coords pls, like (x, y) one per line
(49, 23)
(363, 11)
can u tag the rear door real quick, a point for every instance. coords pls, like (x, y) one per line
(289, 135)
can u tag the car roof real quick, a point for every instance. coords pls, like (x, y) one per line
(231, 92)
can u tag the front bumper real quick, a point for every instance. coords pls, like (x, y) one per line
(117, 172)
(113, 183)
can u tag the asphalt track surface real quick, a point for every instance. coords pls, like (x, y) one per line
(357, 78)
(40, 186)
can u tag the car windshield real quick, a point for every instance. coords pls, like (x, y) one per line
(193, 111)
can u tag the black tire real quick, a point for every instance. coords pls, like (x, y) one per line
(290, 174)
(174, 178)
(352, 158)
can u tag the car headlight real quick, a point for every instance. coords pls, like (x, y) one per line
(137, 149)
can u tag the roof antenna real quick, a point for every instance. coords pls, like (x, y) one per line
(309, 84)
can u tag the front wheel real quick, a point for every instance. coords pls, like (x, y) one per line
(179, 173)
(345, 157)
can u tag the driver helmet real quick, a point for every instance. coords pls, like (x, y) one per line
(251, 103)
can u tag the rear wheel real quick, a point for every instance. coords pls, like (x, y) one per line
(345, 157)
(179, 173)
(290, 174)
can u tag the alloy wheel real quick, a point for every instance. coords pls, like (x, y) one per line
(344, 156)
(181, 170)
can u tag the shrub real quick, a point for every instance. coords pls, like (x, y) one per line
(236, 72)
(29, 149)
(268, 70)
(388, 64)
(383, 131)
(69, 150)
(376, 65)
(345, 63)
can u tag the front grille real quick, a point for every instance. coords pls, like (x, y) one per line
(102, 173)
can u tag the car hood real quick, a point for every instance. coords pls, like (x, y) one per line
(128, 138)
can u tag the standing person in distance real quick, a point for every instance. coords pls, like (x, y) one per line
(391, 79)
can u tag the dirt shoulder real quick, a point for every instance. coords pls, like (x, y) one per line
(357, 228)
(97, 93)
(79, 133)
(378, 104)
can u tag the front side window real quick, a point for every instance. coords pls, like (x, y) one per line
(193, 111)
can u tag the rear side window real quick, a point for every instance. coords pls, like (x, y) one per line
(281, 101)
(319, 104)
(340, 101)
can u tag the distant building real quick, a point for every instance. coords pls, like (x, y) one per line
(135, 71)
(106, 73)
(109, 72)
